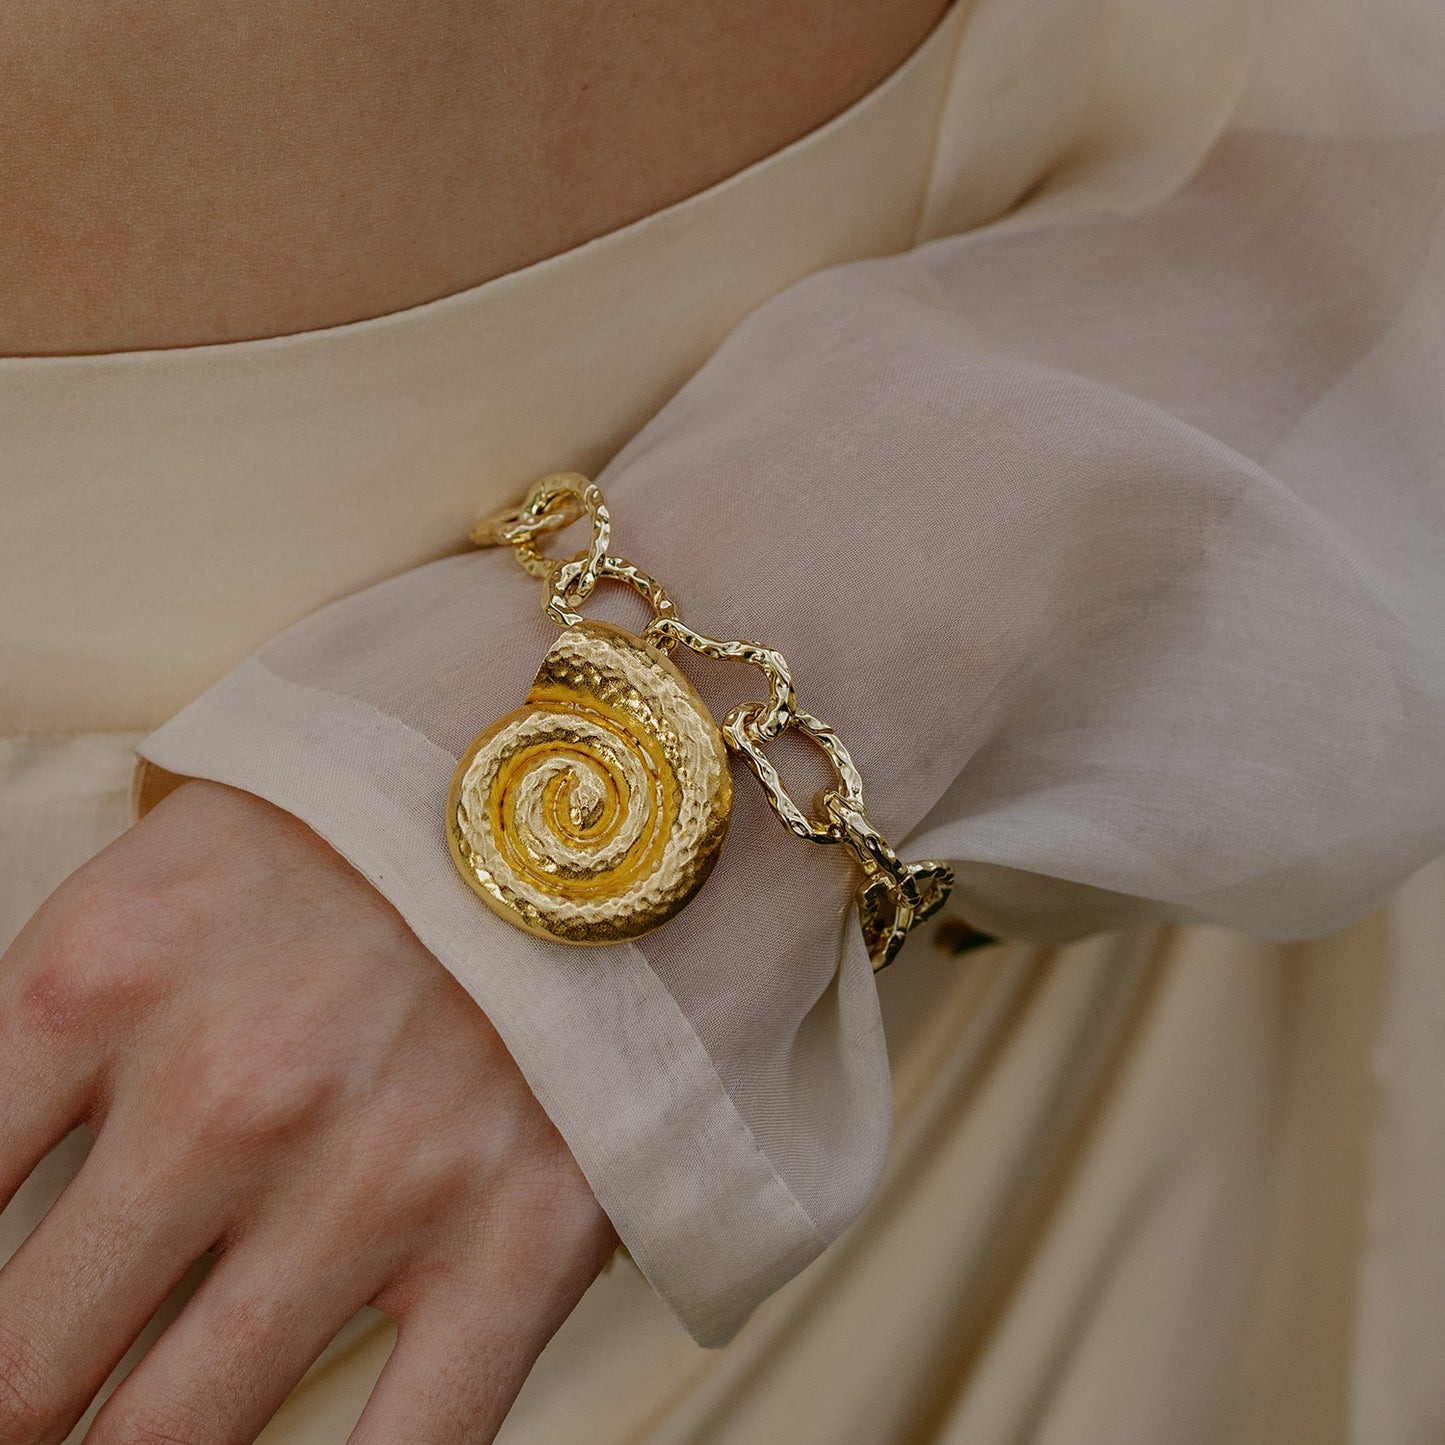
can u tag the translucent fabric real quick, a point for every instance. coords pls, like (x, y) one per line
(1108, 534)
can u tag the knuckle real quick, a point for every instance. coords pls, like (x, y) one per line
(30, 1406)
(244, 1084)
(98, 954)
(390, 1170)
(64, 997)
(142, 1421)
(53, 1002)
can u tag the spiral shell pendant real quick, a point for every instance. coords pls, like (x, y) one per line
(594, 812)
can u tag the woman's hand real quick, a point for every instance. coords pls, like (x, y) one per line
(276, 1071)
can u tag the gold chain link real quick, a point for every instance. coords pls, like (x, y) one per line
(895, 896)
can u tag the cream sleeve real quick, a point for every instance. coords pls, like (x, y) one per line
(1111, 544)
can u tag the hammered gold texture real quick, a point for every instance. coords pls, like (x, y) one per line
(596, 810)
(536, 843)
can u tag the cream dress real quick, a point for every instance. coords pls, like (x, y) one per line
(1169, 1183)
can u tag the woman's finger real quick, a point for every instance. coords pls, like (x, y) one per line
(451, 1378)
(243, 1342)
(33, 1117)
(468, 1339)
(49, 1065)
(83, 1285)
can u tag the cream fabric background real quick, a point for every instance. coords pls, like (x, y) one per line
(299, 469)
(1154, 467)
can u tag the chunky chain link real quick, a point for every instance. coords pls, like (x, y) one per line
(895, 896)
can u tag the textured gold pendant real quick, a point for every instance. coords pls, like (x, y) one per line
(594, 812)
(597, 810)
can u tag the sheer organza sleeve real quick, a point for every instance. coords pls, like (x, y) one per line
(1112, 546)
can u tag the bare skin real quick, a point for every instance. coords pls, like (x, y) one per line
(178, 174)
(276, 1070)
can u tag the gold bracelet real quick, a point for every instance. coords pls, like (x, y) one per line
(595, 811)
